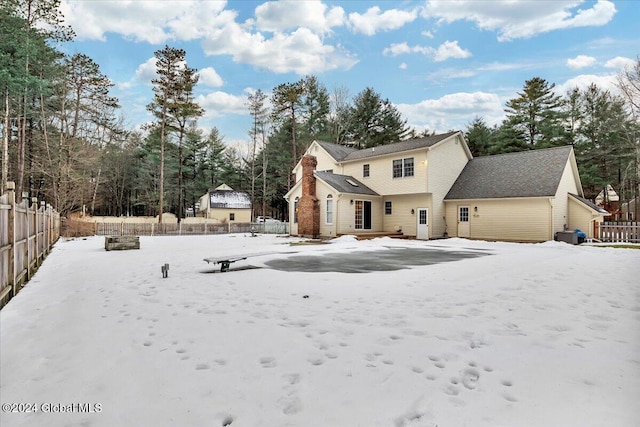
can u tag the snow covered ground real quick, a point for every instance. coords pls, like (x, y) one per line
(531, 335)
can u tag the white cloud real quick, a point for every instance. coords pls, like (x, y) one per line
(149, 21)
(449, 49)
(583, 81)
(620, 63)
(428, 34)
(403, 66)
(373, 20)
(217, 104)
(209, 77)
(453, 111)
(580, 61)
(146, 71)
(524, 19)
(312, 14)
(302, 51)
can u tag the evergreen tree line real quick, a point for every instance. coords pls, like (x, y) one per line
(64, 141)
(602, 127)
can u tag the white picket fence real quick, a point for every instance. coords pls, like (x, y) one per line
(27, 234)
(619, 231)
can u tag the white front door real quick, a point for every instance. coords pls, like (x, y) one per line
(423, 224)
(463, 221)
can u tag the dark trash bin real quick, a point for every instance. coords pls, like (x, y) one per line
(570, 237)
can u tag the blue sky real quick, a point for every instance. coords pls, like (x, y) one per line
(441, 63)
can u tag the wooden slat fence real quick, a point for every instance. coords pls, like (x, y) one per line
(27, 234)
(184, 229)
(619, 231)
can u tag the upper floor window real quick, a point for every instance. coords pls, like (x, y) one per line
(403, 167)
(365, 170)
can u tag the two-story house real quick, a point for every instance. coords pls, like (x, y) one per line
(433, 187)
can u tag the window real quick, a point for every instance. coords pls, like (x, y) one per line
(403, 167)
(463, 214)
(408, 166)
(295, 210)
(232, 217)
(365, 171)
(397, 168)
(387, 208)
(329, 219)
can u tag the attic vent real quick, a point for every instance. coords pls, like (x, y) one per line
(350, 181)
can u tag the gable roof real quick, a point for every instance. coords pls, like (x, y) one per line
(534, 173)
(345, 183)
(398, 147)
(228, 199)
(588, 203)
(337, 151)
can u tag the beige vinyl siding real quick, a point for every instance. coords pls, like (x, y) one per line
(401, 216)
(223, 215)
(521, 220)
(325, 161)
(381, 179)
(446, 161)
(293, 226)
(561, 201)
(346, 218)
(581, 217)
(322, 191)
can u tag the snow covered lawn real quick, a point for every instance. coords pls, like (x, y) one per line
(531, 335)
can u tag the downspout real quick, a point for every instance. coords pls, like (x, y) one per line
(550, 237)
(337, 214)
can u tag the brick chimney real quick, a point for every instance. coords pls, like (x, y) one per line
(308, 206)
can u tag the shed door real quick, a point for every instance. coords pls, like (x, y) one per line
(423, 224)
(463, 221)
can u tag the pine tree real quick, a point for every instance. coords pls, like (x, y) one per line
(258, 111)
(536, 113)
(287, 103)
(375, 121)
(479, 137)
(169, 62)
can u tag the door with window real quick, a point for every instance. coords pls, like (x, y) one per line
(463, 221)
(423, 224)
(363, 215)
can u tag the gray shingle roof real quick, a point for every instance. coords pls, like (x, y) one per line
(337, 151)
(410, 144)
(589, 204)
(533, 173)
(341, 183)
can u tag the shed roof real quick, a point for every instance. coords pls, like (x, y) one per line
(345, 183)
(229, 199)
(534, 173)
(590, 204)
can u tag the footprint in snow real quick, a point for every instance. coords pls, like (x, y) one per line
(268, 362)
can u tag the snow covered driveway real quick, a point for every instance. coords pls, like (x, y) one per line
(532, 335)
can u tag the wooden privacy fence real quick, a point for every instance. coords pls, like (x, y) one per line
(618, 231)
(27, 234)
(184, 229)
